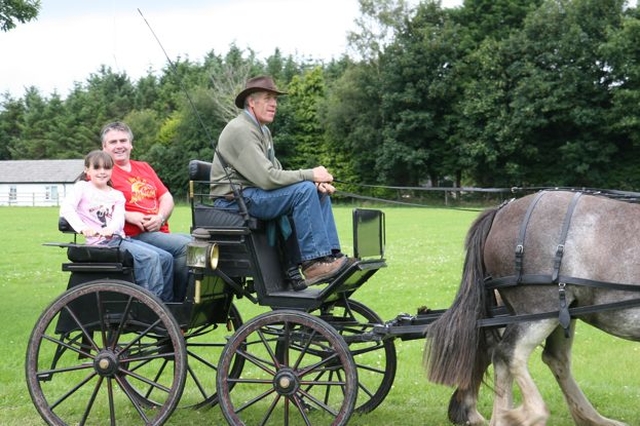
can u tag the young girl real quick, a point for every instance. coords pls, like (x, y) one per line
(96, 210)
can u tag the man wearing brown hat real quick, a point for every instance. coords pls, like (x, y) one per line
(271, 192)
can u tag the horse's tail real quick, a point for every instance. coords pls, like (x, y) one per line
(456, 352)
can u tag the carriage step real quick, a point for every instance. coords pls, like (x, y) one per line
(308, 293)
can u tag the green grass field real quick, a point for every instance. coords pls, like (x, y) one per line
(424, 257)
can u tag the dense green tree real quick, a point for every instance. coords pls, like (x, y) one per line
(352, 115)
(495, 19)
(621, 54)
(184, 136)
(147, 93)
(11, 114)
(421, 81)
(83, 122)
(546, 107)
(353, 124)
(22, 11)
(31, 142)
(299, 137)
(111, 95)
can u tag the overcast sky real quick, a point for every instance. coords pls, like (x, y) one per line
(72, 38)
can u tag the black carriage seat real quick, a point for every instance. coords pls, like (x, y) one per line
(93, 262)
(84, 253)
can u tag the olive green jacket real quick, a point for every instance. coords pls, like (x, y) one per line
(247, 149)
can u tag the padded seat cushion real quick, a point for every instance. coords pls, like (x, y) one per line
(98, 254)
(208, 216)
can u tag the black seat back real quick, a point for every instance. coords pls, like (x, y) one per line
(203, 213)
(199, 170)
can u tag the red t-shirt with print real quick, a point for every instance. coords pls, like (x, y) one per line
(142, 189)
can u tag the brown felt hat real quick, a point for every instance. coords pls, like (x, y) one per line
(257, 84)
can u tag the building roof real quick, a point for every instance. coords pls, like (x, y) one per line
(40, 171)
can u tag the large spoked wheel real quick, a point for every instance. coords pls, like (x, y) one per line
(375, 359)
(95, 350)
(287, 356)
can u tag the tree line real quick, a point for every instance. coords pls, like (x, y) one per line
(495, 93)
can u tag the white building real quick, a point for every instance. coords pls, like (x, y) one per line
(37, 182)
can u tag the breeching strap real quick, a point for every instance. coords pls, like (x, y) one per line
(564, 317)
(523, 231)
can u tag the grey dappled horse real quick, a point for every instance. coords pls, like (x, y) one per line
(556, 256)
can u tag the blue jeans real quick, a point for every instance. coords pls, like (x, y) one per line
(176, 245)
(153, 267)
(311, 212)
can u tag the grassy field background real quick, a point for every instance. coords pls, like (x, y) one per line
(424, 257)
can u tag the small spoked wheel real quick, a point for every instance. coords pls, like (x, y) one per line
(97, 348)
(287, 355)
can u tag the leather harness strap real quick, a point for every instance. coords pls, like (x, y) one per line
(523, 232)
(563, 236)
(564, 317)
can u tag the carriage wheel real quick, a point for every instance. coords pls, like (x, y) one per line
(94, 350)
(287, 355)
(376, 360)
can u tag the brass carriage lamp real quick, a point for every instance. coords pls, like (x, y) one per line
(201, 254)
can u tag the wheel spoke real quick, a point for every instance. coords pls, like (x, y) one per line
(96, 389)
(72, 390)
(269, 412)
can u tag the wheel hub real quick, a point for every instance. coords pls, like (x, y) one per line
(286, 382)
(106, 363)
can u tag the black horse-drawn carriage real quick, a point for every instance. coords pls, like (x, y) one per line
(108, 351)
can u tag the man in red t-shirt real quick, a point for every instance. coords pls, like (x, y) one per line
(148, 202)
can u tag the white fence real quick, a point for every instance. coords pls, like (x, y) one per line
(30, 199)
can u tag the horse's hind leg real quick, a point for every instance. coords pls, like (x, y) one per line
(557, 355)
(463, 409)
(510, 364)
(463, 405)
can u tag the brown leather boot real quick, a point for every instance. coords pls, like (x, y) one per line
(322, 269)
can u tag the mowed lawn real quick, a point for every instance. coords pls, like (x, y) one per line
(424, 257)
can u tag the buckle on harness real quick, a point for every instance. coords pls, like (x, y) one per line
(564, 317)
